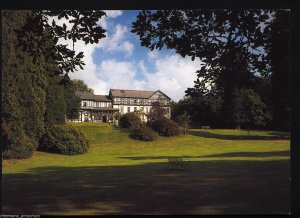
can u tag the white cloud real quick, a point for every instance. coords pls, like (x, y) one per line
(173, 75)
(120, 74)
(104, 22)
(153, 54)
(117, 41)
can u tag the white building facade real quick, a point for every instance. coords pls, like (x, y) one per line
(102, 108)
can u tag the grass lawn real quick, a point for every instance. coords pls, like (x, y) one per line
(231, 173)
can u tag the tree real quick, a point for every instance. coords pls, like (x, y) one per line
(203, 109)
(55, 101)
(184, 121)
(248, 108)
(278, 57)
(81, 86)
(156, 112)
(72, 105)
(219, 38)
(228, 43)
(72, 101)
(82, 26)
(158, 121)
(32, 62)
(23, 92)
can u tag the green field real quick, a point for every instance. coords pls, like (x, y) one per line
(231, 173)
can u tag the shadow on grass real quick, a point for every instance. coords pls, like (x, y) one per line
(232, 154)
(270, 136)
(132, 133)
(211, 187)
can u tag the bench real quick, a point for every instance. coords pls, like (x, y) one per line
(179, 163)
(205, 127)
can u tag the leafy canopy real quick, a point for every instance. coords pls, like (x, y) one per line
(38, 30)
(205, 34)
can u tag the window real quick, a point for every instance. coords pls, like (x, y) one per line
(135, 109)
(84, 104)
(168, 110)
(134, 101)
(128, 109)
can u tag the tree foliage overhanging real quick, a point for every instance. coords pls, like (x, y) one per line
(37, 92)
(77, 25)
(234, 46)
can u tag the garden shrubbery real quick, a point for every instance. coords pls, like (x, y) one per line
(16, 144)
(64, 139)
(165, 127)
(146, 133)
(21, 147)
(130, 120)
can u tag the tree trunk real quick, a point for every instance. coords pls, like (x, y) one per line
(249, 130)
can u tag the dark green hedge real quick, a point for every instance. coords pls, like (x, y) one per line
(130, 120)
(165, 127)
(147, 134)
(64, 139)
(19, 148)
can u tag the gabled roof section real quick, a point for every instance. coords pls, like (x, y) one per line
(91, 96)
(161, 93)
(131, 93)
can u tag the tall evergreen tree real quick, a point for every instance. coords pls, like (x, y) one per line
(277, 47)
(55, 101)
(72, 101)
(32, 93)
(23, 91)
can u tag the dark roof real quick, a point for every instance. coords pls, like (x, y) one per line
(131, 93)
(100, 109)
(91, 96)
(163, 94)
(134, 93)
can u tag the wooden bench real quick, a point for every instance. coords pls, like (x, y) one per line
(205, 127)
(179, 163)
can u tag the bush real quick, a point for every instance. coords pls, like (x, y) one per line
(130, 120)
(15, 143)
(64, 139)
(165, 127)
(22, 147)
(147, 134)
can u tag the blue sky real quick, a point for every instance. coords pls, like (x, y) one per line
(119, 61)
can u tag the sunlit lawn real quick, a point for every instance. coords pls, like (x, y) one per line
(231, 173)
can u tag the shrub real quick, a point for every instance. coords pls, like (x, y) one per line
(64, 139)
(130, 120)
(184, 121)
(165, 127)
(22, 147)
(15, 143)
(147, 134)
